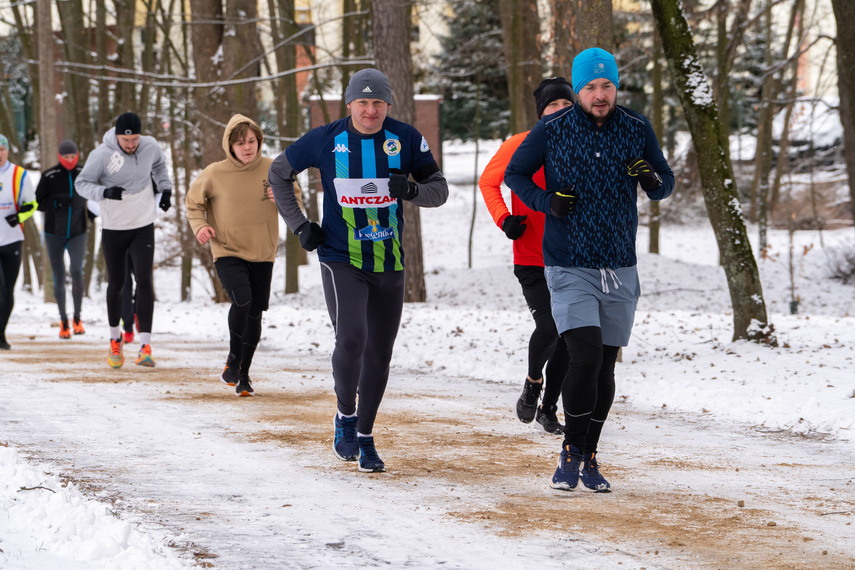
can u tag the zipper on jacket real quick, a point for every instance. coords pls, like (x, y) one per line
(70, 198)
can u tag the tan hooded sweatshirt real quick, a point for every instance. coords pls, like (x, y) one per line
(231, 197)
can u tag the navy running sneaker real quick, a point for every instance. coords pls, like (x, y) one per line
(244, 387)
(369, 461)
(549, 420)
(345, 445)
(590, 475)
(566, 476)
(527, 402)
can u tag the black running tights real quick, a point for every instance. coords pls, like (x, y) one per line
(589, 388)
(10, 265)
(365, 310)
(139, 245)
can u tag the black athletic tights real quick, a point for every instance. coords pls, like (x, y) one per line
(139, 245)
(589, 388)
(10, 266)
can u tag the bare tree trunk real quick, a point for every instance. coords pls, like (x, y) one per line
(104, 111)
(520, 30)
(657, 105)
(147, 64)
(716, 171)
(391, 27)
(594, 25)
(47, 133)
(76, 117)
(763, 155)
(565, 14)
(241, 47)
(844, 14)
(126, 97)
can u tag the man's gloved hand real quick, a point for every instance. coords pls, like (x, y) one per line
(12, 219)
(26, 208)
(113, 193)
(561, 202)
(513, 226)
(166, 200)
(400, 186)
(311, 235)
(647, 177)
(91, 215)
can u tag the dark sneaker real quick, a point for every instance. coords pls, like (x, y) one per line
(369, 461)
(4, 345)
(566, 477)
(549, 420)
(244, 387)
(590, 475)
(527, 402)
(231, 373)
(344, 444)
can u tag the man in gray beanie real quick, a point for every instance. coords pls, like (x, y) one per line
(365, 161)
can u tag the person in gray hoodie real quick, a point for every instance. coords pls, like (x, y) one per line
(119, 175)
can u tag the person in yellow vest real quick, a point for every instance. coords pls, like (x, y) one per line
(230, 206)
(17, 204)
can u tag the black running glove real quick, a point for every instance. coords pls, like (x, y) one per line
(113, 193)
(400, 186)
(311, 235)
(166, 200)
(513, 226)
(647, 177)
(561, 202)
(12, 219)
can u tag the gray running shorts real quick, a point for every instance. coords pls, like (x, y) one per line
(604, 298)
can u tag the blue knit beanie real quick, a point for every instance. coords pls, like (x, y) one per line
(594, 63)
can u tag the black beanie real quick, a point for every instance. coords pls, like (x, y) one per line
(551, 89)
(67, 147)
(128, 124)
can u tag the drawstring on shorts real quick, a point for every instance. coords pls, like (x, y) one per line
(604, 283)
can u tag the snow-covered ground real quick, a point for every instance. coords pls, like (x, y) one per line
(104, 469)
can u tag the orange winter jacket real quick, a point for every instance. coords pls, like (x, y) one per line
(528, 249)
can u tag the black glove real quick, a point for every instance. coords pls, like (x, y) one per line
(26, 208)
(12, 219)
(647, 177)
(400, 186)
(561, 202)
(311, 235)
(91, 215)
(113, 193)
(166, 200)
(60, 203)
(513, 226)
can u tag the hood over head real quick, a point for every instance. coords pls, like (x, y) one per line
(234, 122)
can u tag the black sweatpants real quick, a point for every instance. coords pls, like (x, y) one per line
(10, 265)
(248, 286)
(365, 310)
(589, 387)
(139, 245)
(543, 346)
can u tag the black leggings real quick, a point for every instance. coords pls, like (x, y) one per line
(543, 346)
(56, 247)
(365, 310)
(589, 388)
(139, 245)
(248, 286)
(10, 265)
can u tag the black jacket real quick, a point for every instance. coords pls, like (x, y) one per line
(65, 210)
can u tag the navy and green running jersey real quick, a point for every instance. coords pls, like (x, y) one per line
(362, 224)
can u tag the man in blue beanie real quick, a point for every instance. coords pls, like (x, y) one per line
(594, 156)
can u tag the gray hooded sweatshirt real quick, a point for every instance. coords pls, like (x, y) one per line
(108, 165)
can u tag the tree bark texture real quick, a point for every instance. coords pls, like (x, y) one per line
(520, 35)
(76, 116)
(716, 173)
(126, 95)
(241, 46)
(594, 25)
(844, 14)
(391, 32)
(565, 40)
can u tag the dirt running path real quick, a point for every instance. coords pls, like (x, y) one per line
(688, 492)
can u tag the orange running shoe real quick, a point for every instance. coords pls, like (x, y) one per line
(77, 327)
(64, 331)
(116, 358)
(144, 358)
(128, 337)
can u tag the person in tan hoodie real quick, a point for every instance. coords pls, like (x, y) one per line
(230, 206)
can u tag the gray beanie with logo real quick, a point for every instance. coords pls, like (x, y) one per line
(368, 84)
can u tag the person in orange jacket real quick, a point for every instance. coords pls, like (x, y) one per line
(525, 227)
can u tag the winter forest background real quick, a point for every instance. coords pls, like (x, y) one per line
(750, 99)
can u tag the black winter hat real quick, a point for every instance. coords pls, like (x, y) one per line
(551, 89)
(67, 147)
(128, 124)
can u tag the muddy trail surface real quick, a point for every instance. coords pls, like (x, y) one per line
(253, 483)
